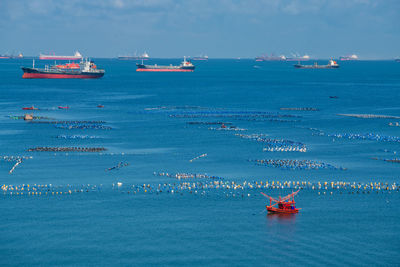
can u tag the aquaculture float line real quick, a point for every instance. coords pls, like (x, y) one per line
(265, 119)
(285, 149)
(276, 145)
(68, 122)
(83, 126)
(294, 164)
(396, 160)
(227, 128)
(222, 112)
(174, 107)
(63, 136)
(119, 166)
(368, 136)
(219, 187)
(33, 117)
(187, 175)
(17, 159)
(208, 122)
(234, 116)
(14, 158)
(201, 156)
(369, 116)
(67, 149)
(301, 109)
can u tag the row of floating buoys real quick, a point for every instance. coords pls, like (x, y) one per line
(220, 112)
(77, 136)
(228, 188)
(118, 166)
(367, 136)
(285, 149)
(265, 119)
(301, 109)
(186, 175)
(198, 157)
(68, 122)
(17, 159)
(67, 149)
(295, 164)
(196, 112)
(370, 116)
(33, 117)
(234, 116)
(227, 128)
(83, 126)
(14, 158)
(215, 184)
(208, 123)
(280, 145)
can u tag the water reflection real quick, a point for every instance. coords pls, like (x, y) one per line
(281, 218)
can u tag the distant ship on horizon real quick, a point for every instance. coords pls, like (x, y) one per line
(272, 57)
(6, 56)
(201, 57)
(143, 56)
(348, 58)
(297, 57)
(76, 56)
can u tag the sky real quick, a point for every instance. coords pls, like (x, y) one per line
(218, 28)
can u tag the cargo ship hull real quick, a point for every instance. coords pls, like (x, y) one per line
(31, 73)
(164, 70)
(154, 68)
(315, 66)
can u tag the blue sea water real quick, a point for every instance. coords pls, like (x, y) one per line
(149, 114)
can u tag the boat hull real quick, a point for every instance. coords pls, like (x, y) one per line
(166, 70)
(30, 73)
(284, 211)
(297, 66)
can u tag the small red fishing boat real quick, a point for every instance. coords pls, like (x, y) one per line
(285, 205)
(30, 108)
(60, 107)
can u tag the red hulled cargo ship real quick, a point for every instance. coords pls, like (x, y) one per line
(185, 66)
(84, 70)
